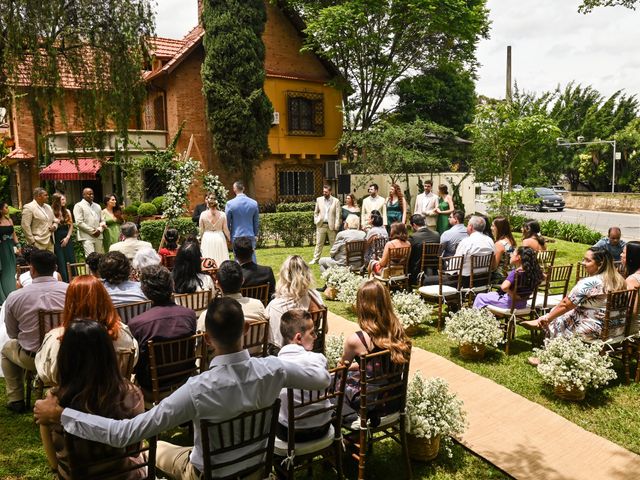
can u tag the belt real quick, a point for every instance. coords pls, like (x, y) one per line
(31, 354)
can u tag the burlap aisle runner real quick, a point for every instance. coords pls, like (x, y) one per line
(519, 436)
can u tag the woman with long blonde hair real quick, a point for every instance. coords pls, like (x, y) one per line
(294, 289)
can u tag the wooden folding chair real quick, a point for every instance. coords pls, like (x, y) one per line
(76, 269)
(111, 463)
(447, 291)
(546, 258)
(396, 274)
(553, 289)
(129, 310)
(304, 405)
(47, 320)
(259, 292)
(256, 338)
(247, 439)
(169, 261)
(480, 278)
(355, 254)
(320, 325)
(581, 272)
(383, 394)
(171, 363)
(431, 252)
(196, 301)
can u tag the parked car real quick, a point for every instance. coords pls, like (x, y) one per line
(549, 200)
(517, 187)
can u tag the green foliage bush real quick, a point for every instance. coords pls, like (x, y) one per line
(131, 210)
(158, 202)
(147, 210)
(15, 214)
(296, 207)
(19, 234)
(152, 230)
(571, 232)
(293, 229)
(137, 203)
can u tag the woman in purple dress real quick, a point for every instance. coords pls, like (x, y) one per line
(529, 273)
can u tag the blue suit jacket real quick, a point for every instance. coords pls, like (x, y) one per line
(242, 217)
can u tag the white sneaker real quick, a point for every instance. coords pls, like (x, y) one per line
(313, 262)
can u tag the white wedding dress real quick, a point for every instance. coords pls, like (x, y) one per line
(213, 242)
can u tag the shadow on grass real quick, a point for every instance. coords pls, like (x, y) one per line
(594, 399)
(492, 356)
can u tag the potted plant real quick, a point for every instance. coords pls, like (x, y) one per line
(349, 290)
(474, 329)
(411, 310)
(334, 278)
(434, 414)
(333, 347)
(572, 366)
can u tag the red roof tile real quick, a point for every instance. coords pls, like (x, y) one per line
(20, 153)
(164, 48)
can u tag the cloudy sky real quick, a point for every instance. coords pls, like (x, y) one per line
(551, 44)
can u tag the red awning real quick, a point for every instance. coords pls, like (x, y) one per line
(70, 169)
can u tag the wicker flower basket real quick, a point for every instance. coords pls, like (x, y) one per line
(423, 449)
(472, 351)
(330, 293)
(412, 330)
(570, 393)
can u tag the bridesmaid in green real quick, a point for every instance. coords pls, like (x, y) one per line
(445, 207)
(63, 235)
(396, 206)
(8, 240)
(112, 234)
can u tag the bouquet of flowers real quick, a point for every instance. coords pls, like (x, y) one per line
(211, 183)
(411, 309)
(349, 289)
(572, 363)
(334, 346)
(433, 410)
(474, 326)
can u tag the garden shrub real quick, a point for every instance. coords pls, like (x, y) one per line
(15, 214)
(130, 210)
(147, 210)
(158, 202)
(267, 207)
(293, 229)
(571, 232)
(296, 207)
(137, 203)
(152, 230)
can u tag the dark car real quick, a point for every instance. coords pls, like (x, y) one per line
(549, 200)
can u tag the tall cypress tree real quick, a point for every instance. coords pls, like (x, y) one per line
(238, 111)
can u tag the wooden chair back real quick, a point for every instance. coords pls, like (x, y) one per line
(451, 266)
(129, 310)
(581, 272)
(76, 269)
(172, 362)
(259, 292)
(399, 261)
(98, 461)
(430, 256)
(256, 338)
(546, 258)
(480, 279)
(355, 254)
(617, 323)
(126, 361)
(556, 282)
(196, 301)
(20, 269)
(48, 320)
(254, 431)
(377, 244)
(169, 261)
(320, 325)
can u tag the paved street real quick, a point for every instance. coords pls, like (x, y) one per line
(598, 220)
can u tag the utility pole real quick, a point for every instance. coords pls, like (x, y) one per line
(509, 95)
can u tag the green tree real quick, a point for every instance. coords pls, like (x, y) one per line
(238, 110)
(375, 43)
(101, 46)
(588, 5)
(444, 94)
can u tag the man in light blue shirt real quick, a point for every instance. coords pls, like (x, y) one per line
(452, 237)
(612, 243)
(235, 383)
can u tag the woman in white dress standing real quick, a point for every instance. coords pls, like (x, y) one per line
(214, 233)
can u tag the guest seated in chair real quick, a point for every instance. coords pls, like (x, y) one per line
(90, 381)
(529, 273)
(398, 239)
(130, 245)
(477, 243)
(631, 261)
(92, 261)
(421, 235)
(338, 253)
(115, 270)
(298, 336)
(187, 270)
(170, 243)
(253, 273)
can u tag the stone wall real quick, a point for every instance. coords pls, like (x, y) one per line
(606, 202)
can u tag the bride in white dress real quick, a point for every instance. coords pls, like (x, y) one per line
(214, 233)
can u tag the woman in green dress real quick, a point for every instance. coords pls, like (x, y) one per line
(63, 235)
(350, 207)
(396, 206)
(8, 240)
(112, 234)
(445, 207)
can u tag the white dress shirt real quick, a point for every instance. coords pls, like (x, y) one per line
(297, 355)
(426, 204)
(236, 383)
(475, 244)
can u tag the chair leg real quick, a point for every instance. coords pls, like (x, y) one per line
(28, 386)
(439, 314)
(362, 454)
(405, 447)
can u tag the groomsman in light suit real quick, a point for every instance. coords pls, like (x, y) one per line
(242, 216)
(426, 204)
(38, 221)
(327, 218)
(88, 215)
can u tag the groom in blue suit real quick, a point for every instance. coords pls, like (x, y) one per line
(242, 216)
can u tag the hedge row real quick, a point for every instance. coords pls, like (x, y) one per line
(152, 230)
(296, 207)
(293, 229)
(570, 232)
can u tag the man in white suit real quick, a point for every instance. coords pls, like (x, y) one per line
(88, 216)
(327, 218)
(38, 221)
(371, 203)
(426, 204)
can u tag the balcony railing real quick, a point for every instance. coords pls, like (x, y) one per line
(107, 142)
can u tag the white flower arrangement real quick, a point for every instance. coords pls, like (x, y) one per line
(333, 348)
(433, 410)
(336, 276)
(349, 289)
(570, 362)
(211, 183)
(411, 309)
(474, 326)
(178, 188)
